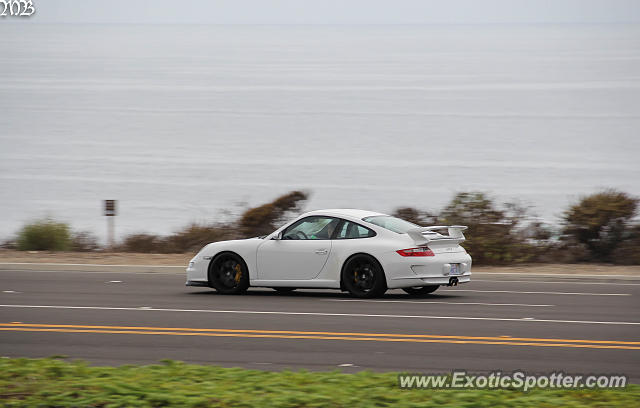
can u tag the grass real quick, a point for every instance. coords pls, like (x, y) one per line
(54, 383)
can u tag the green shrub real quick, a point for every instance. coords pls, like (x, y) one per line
(418, 217)
(260, 220)
(190, 239)
(84, 241)
(195, 236)
(495, 235)
(44, 235)
(600, 222)
(628, 252)
(142, 243)
(267, 217)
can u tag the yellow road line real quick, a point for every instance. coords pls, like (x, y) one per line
(316, 337)
(294, 332)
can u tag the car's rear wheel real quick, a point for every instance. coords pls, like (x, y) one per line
(421, 290)
(363, 277)
(229, 274)
(282, 289)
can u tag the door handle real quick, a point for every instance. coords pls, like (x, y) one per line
(321, 251)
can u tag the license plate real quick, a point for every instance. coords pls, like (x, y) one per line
(455, 269)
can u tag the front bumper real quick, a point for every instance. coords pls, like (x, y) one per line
(197, 269)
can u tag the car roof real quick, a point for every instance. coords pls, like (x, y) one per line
(344, 212)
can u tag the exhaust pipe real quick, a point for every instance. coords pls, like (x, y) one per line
(453, 282)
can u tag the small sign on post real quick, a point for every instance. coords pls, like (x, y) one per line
(110, 212)
(109, 207)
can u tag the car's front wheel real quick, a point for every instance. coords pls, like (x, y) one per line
(421, 290)
(363, 277)
(229, 274)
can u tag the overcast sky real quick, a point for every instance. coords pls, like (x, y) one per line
(337, 11)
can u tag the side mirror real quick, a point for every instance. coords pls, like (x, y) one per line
(278, 236)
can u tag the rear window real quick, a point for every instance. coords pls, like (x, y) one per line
(351, 230)
(391, 223)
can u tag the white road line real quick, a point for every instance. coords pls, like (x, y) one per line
(261, 312)
(95, 272)
(76, 264)
(538, 293)
(565, 282)
(576, 275)
(433, 301)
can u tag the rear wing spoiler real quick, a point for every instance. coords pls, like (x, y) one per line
(421, 235)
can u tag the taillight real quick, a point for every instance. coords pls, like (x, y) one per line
(423, 251)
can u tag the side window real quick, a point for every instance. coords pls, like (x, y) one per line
(351, 230)
(312, 228)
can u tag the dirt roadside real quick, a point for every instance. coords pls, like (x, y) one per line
(102, 258)
(125, 258)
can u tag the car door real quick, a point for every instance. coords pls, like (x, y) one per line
(301, 253)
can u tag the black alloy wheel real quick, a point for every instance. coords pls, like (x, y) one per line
(363, 277)
(228, 274)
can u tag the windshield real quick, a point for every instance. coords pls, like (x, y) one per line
(391, 223)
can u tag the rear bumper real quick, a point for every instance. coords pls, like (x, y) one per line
(439, 281)
(410, 272)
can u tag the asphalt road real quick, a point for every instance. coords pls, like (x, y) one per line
(501, 322)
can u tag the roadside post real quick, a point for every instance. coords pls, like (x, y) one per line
(110, 213)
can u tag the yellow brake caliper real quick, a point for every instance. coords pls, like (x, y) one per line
(238, 273)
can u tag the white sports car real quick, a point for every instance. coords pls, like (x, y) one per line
(362, 252)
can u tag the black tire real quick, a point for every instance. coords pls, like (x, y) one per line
(282, 289)
(421, 290)
(363, 277)
(228, 274)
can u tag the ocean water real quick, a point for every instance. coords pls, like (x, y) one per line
(185, 123)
